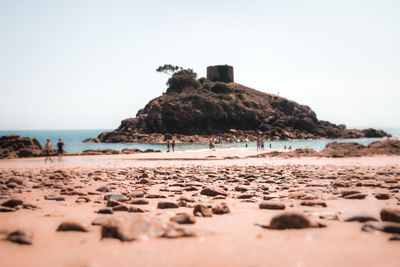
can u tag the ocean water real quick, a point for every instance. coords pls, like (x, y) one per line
(73, 141)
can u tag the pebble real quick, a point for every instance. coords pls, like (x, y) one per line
(382, 196)
(220, 209)
(137, 194)
(289, 221)
(360, 218)
(202, 210)
(112, 203)
(183, 218)
(390, 215)
(213, 191)
(120, 208)
(356, 196)
(105, 211)
(54, 197)
(272, 205)
(71, 226)
(245, 196)
(135, 209)
(6, 209)
(103, 189)
(12, 203)
(117, 197)
(139, 202)
(313, 203)
(23, 237)
(167, 205)
(137, 227)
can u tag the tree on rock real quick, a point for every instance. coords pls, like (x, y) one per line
(168, 69)
(182, 79)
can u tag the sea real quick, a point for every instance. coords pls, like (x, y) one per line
(72, 140)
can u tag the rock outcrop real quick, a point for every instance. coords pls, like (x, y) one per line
(341, 150)
(14, 146)
(228, 111)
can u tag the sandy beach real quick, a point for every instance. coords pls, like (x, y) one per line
(315, 188)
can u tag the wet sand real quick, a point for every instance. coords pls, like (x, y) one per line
(231, 239)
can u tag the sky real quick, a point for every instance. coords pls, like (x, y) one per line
(90, 64)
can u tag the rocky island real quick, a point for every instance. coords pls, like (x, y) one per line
(193, 110)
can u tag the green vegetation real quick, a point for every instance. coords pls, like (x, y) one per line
(168, 69)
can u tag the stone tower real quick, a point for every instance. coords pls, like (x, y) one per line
(220, 73)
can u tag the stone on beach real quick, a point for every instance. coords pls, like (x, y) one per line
(202, 210)
(183, 218)
(390, 215)
(117, 197)
(105, 211)
(12, 203)
(71, 226)
(360, 218)
(355, 196)
(139, 202)
(167, 205)
(54, 197)
(289, 221)
(272, 205)
(382, 196)
(213, 191)
(23, 237)
(220, 209)
(137, 227)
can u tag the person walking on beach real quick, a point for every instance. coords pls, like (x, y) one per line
(60, 150)
(258, 143)
(210, 143)
(47, 149)
(168, 145)
(173, 145)
(262, 144)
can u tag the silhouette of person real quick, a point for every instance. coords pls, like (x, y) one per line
(47, 149)
(60, 150)
(173, 145)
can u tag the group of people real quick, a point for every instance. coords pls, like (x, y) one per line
(260, 144)
(48, 149)
(171, 144)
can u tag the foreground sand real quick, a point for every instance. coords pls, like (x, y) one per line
(230, 239)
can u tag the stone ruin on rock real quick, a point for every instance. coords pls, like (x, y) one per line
(220, 73)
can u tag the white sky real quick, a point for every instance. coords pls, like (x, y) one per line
(90, 64)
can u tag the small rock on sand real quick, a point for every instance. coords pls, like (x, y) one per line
(71, 226)
(167, 205)
(21, 237)
(183, 218)
(290, 221)
(12, 203)
(356, 196)
(390, 215)
(105, 211)
(220, 209)
(272, 205)
(213, 191)
(136, 227)
(360, 218)
(117, 197)
(382, 196)
(202, 210)
(139, 202)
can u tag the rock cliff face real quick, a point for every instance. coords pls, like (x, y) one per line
(226, 110)
(14, 146)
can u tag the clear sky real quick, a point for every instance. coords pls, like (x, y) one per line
(90, 64)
